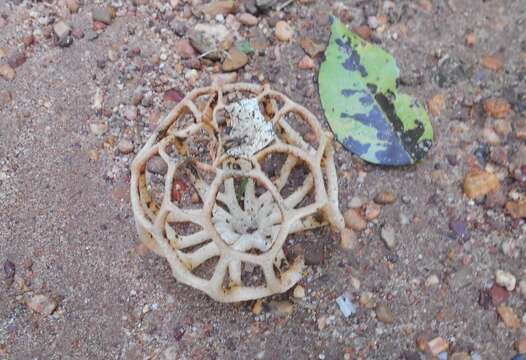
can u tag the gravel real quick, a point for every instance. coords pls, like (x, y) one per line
(64, 183)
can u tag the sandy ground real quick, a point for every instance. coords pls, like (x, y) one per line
(66, 222)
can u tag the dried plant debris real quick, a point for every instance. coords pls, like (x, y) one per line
(221, 186)
(250, 132)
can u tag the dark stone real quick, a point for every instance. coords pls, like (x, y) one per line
(450, 71)
(265, 5)
(157, 165)
(66, 42)
(484, 299)
(9, 269)
(452, 159)
(178, 27)
(101, 63)
(179, 332)
(459, 229)
(410, 355)
(314, 254)
(482, 154)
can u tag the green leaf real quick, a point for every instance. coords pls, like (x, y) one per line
(245, 47)
(359, 94)
(242, 189)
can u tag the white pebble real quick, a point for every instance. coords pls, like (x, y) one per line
(299, 292)
(432, 280)
(505, 279)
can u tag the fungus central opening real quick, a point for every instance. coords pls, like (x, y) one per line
(246, 215)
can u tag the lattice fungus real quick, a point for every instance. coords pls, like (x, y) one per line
(224, 183)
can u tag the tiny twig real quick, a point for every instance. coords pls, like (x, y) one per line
(284, 5)
(213, 51)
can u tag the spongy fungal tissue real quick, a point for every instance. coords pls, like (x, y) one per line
(225, 183)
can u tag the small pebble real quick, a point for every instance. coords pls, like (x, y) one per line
(130, 112)
(498, 294)
(321, 322)
(493, 62)
(363, 31)
(235, 60)
(7, 72)
(102, 14)
(283, 31)
(437, 346)
(248, 19)
(367, 300)
(73, 6)
(497, 107)
(16, 59)
(480, 183)
(354, 221)
(98, 128)
(436, 104)
(384, 198)
(125, 146)
(349, 240)
(77, 33)
(224, 78)
(372, 211)
(173, 95)
(257, 308)
(5, 97)
(61, 30)
(281, 308)
(490, 136)
(388, 236)
(113, 54)
(471, 39)
(356, 202)
(42, 304)
(306, 63)
(157, 165)
(508, 316)
(517, 209)
(184, 49)
(311, 47)
(373, 22)
(384, 314)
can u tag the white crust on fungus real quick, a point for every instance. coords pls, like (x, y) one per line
(245, 232)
